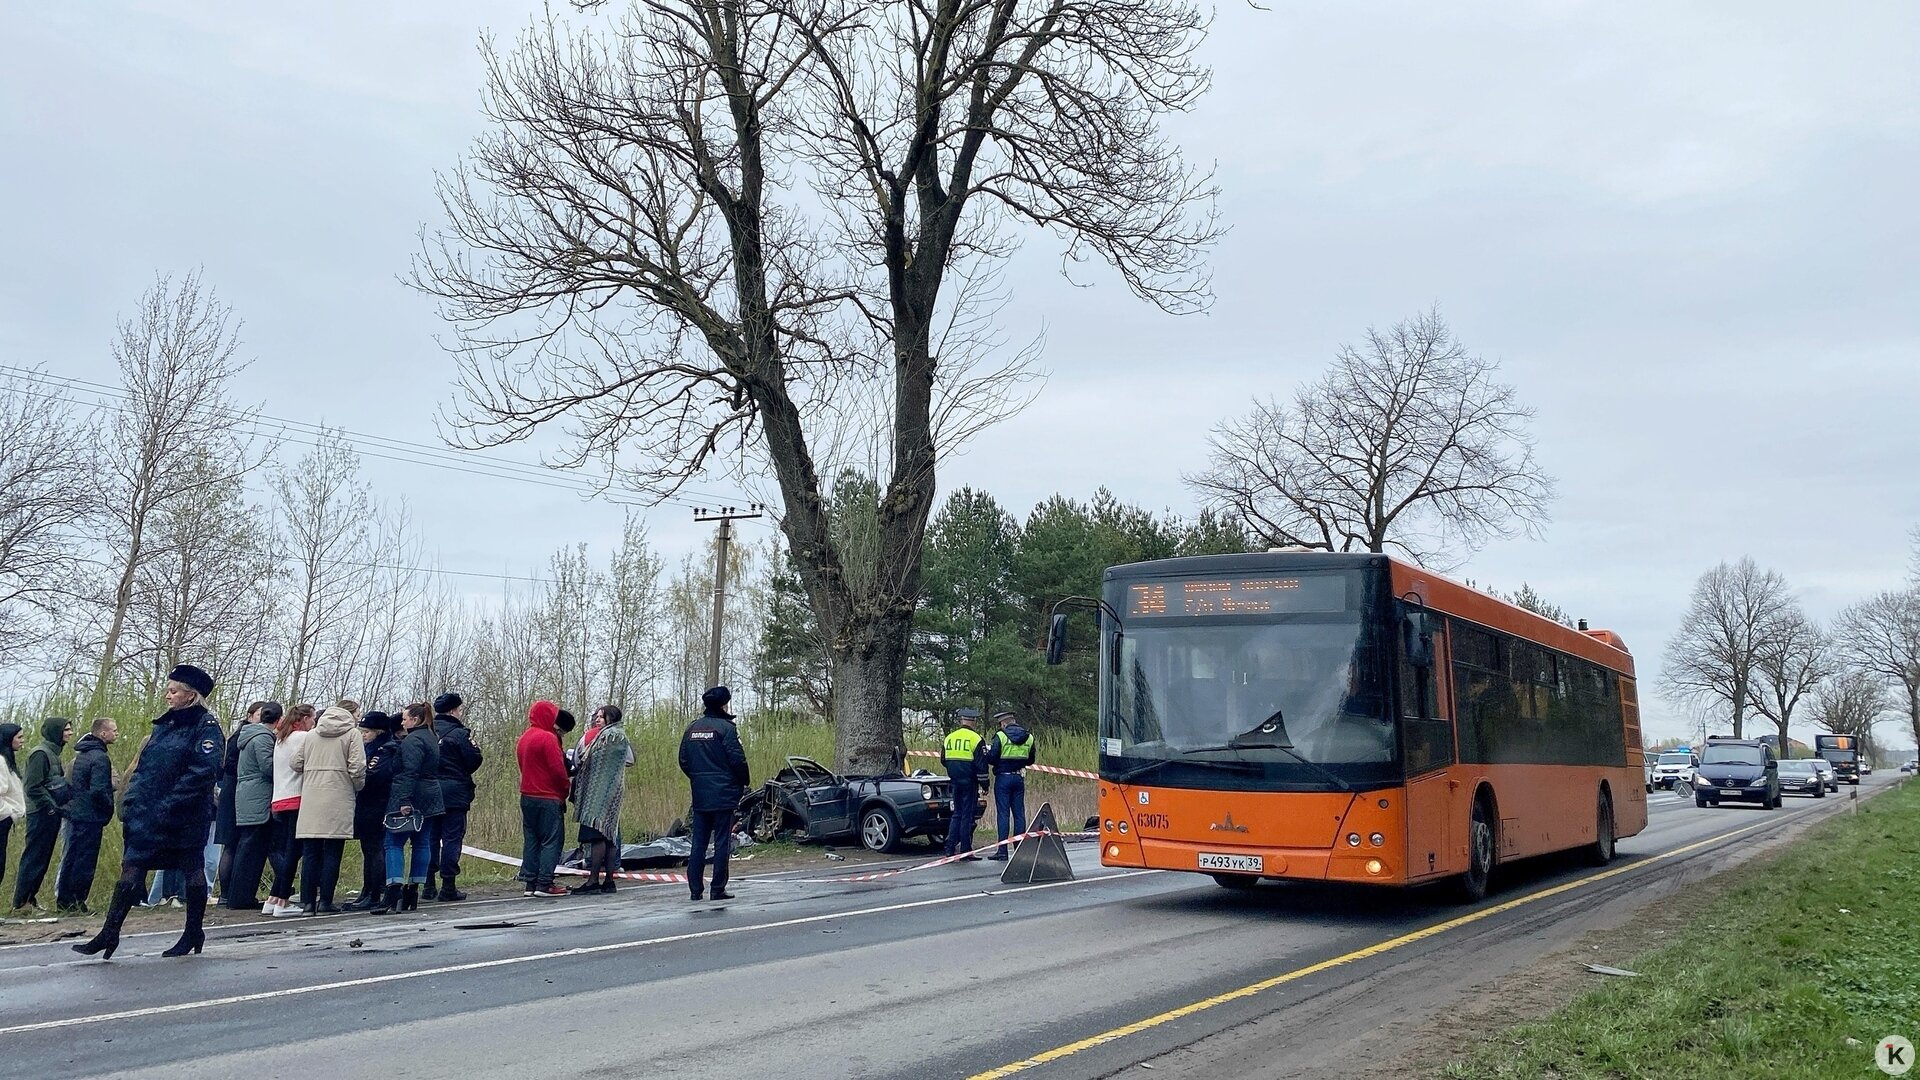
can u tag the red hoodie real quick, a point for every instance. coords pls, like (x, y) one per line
(543, 770)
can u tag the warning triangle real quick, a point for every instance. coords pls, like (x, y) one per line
(1039, 859)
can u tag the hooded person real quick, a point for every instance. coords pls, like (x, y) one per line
(252, 807)
(91, 808)
(168, 808)
(45, 780)
(333, 761)
(13, 791)
(382, 753)
(543, 799)
(460, 759)
(1009, 752)
(716, 767)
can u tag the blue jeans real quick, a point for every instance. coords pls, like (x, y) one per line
(543, 824)
(1009, 796)
(399, 871)
(715, 826)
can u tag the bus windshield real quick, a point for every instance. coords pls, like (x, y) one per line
(1292, 694)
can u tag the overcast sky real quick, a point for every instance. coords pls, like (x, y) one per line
(1688, 232)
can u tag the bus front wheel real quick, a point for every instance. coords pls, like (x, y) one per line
(1472, 885)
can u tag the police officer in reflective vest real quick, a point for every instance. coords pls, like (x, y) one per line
(963, 771)
(1009, 752)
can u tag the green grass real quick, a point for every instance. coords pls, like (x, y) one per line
(1799, 954)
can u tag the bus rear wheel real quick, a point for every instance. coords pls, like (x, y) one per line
(1472, 885)
(1601, 851)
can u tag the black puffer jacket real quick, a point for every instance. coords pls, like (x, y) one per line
(370, 806)
(91, 778)
(417, 782)
(459, 760)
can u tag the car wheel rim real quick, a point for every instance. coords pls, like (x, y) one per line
(877, 833)
(1482, 844)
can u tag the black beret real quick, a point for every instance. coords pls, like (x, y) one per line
(188, 675)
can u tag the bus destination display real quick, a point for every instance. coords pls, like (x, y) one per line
(1265, 595)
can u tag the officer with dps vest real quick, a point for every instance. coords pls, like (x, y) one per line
(1009, 752)
(961, 755)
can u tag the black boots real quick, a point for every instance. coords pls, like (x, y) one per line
(390, 901)
(448, 892)
(193, 937)
(108, 939)
(410, 898)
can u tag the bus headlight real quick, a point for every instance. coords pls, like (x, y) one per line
(1353, 839)
(1113, 851)
(1123, 826)
(1376, 839)
(1375, 866)
(1109, 824)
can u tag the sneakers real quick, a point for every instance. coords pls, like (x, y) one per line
(271, 906)
(549, 892)
(588, 886)
(286, 910)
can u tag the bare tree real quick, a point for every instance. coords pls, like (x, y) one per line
(1713, 658)
(43, 497)
(1526, 596)
(630, 658)
(696, 238)
(1882, 636)
(1850, 702)
(1408, 442)
(176, 354)
(1795, 658)
(324, 510)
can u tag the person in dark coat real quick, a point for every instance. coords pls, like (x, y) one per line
(716, 767)
(226, 830)
(47, 795)
(459, 760)
(168, 808)
(91, 780)
(415, 804)
(370, 806)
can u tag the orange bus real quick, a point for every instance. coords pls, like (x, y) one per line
(1351, 717)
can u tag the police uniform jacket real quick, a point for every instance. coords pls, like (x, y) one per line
(715, 762)
(961, 754)
(169, 801)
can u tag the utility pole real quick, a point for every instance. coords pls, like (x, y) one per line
(726, 516)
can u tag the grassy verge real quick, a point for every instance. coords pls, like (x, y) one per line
(1796, 969)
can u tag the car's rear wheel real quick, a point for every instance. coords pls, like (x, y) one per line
(1235, 881)
(879, 829)
(1601, 851)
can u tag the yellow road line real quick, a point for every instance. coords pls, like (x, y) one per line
(1370, 951)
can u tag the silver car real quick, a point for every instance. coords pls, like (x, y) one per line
(1825, 769)
(1799, 777)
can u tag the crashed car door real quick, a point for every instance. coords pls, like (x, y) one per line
(830, 808)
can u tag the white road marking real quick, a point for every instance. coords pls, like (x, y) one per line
(512, 961)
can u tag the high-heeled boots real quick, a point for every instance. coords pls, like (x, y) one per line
(193, 937)
(389, 901)
(410, 898)
(108, 939)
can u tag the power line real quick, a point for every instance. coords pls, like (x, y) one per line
(447, 460)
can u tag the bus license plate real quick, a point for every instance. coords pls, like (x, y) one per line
(1249, 864)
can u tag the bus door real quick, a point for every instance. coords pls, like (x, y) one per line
(1427, 745)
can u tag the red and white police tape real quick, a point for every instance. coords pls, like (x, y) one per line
(1081, 773)
(625, 875)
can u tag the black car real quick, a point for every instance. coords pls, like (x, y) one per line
(810, 800)
(1737, 770)
(1799, 777)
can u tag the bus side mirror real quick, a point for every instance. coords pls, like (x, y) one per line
(1419, 640)
(1057, 639)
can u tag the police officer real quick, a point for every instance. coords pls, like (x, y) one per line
(716, 767)
(963, 771)
(1009, 752)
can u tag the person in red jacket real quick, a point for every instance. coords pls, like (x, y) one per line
(543, 799)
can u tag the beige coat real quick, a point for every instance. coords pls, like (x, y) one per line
(333, 762)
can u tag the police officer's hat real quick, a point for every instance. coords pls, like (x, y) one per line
(965, 714)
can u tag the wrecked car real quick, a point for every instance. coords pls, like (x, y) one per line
(814, 803)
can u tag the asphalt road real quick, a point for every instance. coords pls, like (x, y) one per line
(938, 973)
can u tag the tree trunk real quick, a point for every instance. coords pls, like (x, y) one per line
(122, 600)
(868, 671)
